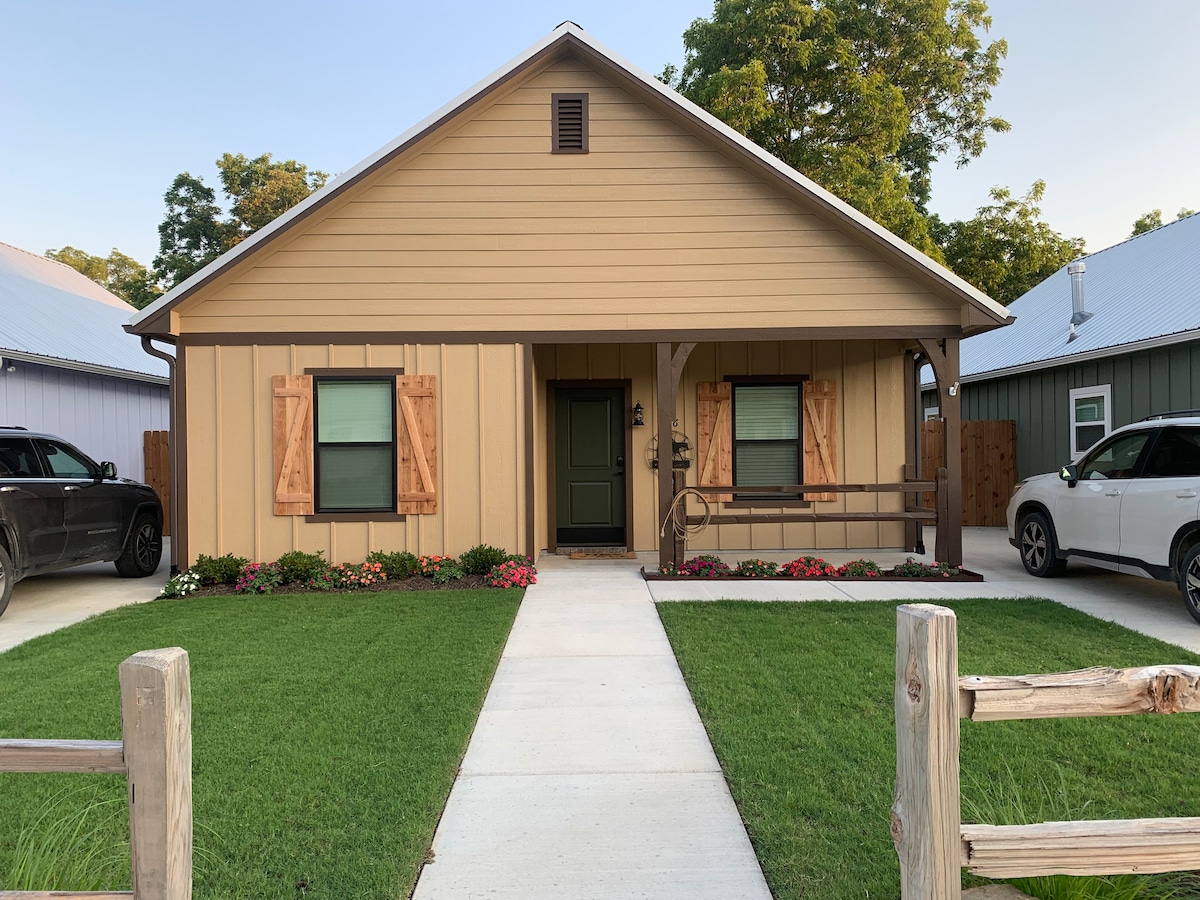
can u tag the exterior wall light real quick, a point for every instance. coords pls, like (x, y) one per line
(638, 415)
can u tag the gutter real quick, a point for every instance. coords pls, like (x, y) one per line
(59, 362)
(172, 448)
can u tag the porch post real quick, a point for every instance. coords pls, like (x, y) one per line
(945, 362)
(669, 371)
(911, 433)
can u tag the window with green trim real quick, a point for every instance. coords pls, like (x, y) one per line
(355, 440)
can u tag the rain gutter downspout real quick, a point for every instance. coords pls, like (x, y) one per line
(172, 449)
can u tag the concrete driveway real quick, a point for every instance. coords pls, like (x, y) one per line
(46, 603)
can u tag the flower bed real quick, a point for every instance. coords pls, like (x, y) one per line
(809, 568)
(309, 573)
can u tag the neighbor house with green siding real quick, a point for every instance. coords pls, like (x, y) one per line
(1120, 343)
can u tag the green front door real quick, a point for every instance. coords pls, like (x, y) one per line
(589, 452)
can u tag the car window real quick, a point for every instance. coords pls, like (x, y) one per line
(67, 463)
(18, 459)
(1176, 454)
(1115, 458)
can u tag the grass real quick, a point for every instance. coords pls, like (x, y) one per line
(797, 699)
(327, 729)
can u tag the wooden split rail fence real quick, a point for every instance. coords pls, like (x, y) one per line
(155, 753)
(932, 842)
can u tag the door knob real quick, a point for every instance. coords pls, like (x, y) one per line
(620, 461)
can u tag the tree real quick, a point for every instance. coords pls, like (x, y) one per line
(120, 274)
(1005, 249)
(861, 97)
(1153, 219)
(257, 191)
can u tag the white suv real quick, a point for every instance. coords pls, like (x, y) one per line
(1130, 504)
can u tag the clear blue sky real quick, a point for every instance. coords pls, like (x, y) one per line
(102, 104)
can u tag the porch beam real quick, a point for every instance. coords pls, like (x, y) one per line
(944, 358)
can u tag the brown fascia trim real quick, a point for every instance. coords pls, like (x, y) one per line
(161, 319)
(728, 144)
(356, 517)
(355, 371)
(823, 333)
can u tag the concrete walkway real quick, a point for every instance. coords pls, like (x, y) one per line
(589, 775)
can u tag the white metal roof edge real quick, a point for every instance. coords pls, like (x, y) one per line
(79, 366)
(1162, 340)
(570, 28)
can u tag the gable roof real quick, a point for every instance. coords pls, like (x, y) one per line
(569, 38)
(52, 314)
(1142, 292)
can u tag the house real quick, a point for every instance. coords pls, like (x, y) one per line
(68, 366)
(459, 339)
(1113, 341)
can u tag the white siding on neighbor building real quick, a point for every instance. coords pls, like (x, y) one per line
(103, 416)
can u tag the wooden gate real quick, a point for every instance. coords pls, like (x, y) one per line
(157, 458)
(989, 466)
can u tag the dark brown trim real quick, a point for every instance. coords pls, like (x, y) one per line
(531, 548)
(161, 320)
(372, 373)
(912, 530)
(324, 338)
(181, 480)
(555, 136)
(552, 385)
(786, 378)
(943, 357)
(356, 517)
(768, 504)
(927, 515)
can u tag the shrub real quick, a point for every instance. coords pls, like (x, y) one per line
(395, 565)
(352, 578)
(756, 568)
(259, 578)
(860, 568)
(704, 566)
(298, 567)
(325, 581)
(513, 572)
(482, 559)
(910, 568)
(432, 564)
(222, 570)
(179, 586)
(808, 567)
(448, 572)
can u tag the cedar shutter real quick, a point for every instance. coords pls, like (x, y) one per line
(714, 442)
(820, 436)
(416, 444)
(292, 432)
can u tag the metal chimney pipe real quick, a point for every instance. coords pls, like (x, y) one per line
(1079, 315)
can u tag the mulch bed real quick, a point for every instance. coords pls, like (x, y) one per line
(963, 575)
(412, 583)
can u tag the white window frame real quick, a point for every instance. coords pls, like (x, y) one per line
(1082, 393)
(932, 412)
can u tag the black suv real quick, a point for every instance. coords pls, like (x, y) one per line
(59, 509)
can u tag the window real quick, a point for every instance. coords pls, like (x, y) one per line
(18, 459)
(766, 436)
(355, 428)
(1116, 458)
(1176, 454)
(1091, 417)
(67, 463)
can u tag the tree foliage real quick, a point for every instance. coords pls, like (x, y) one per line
(195, 231)
(1154, 219)
(1006, 249)
(120, 274)
(861, 97)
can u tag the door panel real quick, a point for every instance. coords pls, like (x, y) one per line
(34, 506)
(589, 465)
(1163, 498)
(93, 506)
(1087, 517)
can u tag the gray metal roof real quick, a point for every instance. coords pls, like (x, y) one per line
(1143, 292)
(50, 313)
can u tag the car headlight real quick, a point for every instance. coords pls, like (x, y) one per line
(1016, 487)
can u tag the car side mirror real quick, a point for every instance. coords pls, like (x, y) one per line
(108, 470)
(1069, 474)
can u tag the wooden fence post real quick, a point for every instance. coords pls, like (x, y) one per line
(156, 729)
(926, 813)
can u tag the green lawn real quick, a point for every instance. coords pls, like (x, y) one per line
(327, 729)
(797, 698)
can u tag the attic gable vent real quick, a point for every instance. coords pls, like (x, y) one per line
(569, 123)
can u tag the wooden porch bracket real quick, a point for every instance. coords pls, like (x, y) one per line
(943, 357)
(669, 369)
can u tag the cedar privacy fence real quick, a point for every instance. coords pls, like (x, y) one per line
(931, 841)
(155, 752)
(156, 457)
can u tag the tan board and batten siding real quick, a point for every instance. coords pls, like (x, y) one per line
(479, 228)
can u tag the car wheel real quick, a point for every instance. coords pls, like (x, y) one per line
(1039, 549)
(8, 577)
(143, 549)
(1189, 581)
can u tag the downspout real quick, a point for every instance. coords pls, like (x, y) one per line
(172, 449)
